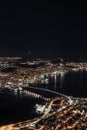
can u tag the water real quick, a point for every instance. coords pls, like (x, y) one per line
(16, 109)
(70, 83)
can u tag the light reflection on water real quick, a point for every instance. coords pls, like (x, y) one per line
(70, 83)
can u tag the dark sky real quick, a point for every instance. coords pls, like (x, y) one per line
(44, 27)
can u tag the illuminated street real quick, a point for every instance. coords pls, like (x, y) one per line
(59, 110)
(43, 65)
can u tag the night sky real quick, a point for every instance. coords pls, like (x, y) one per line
(46, 28)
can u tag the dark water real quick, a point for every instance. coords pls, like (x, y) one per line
(13, 108)
(70, 83)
